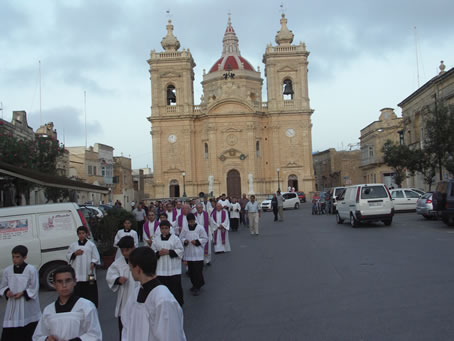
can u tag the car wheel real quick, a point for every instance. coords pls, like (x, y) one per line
(46, 275)
(428, 217)
(339, 220)
(387, 222)
(353, 221)
(297, 206)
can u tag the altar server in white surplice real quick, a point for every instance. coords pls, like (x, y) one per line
(171, 213)
(203, 219)
(152, 313)
(220, 225)
(194, 239)
(83, 256)
(126, 231)
(70, 317)
(169, 251)
(119, 277)
(20, 287)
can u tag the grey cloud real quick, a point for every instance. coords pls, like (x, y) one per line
(69, 123)
(12, 19)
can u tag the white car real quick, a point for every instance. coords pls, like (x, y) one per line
(365, 203)
(266, 204)
(291, 200)
(404, 199)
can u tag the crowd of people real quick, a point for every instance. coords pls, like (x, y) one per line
(171, 238)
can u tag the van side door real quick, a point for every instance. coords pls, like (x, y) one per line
(19, 230)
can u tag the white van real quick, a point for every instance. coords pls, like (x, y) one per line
(46, 230)
(365, 203)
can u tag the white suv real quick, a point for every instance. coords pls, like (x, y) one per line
(365, 203)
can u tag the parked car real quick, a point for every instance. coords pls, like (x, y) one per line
(365, 203)
(301, 196)
(95, 210)
(266, 204)
(443, 201)
(419, 191)
(291, 200)
(46, 230)
(424, 206)
(404, 199)
(336, 191)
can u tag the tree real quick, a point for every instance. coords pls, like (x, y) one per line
(39, 154)
(423, 163)
(399, 158)
(439, 135)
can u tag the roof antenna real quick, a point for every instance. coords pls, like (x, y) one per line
(417, 58)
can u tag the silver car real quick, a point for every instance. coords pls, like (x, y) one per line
(424, 206)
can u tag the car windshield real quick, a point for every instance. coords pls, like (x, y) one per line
(269, 197)
(373, 192)
(338, 191)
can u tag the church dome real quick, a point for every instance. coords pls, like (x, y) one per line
(231, 58)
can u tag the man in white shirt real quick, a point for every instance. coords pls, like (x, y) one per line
(254, 212)
(140, 215)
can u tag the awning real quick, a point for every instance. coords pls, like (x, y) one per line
(49, 180)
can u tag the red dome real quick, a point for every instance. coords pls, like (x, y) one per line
(231, 63)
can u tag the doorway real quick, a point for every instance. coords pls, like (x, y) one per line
(174, 189)
(293, 182)
(234, 184)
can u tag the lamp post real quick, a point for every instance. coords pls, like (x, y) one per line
(278, 180)
(184, 185)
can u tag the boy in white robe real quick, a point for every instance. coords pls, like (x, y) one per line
(203, 219)
(119, 277)
(169, 251)
(194, 239)
(220, 226)
(83, 256)
(20, 286)
(126, 231)
(152, 313)
(69, 317)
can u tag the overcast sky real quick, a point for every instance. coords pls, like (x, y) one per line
(363, 58)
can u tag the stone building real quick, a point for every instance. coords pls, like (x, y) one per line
(372, 140)
(93, 165)
(123, 185)
(337, 168)
(233, 142)
(414, 109)
(18, 127)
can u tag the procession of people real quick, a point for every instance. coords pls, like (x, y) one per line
(172, 238)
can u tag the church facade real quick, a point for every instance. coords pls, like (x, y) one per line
(233, 142)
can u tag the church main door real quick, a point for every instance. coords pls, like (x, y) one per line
(234, 184)
(174, 189)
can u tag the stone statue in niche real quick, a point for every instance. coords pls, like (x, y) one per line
(251, 183)
(210, 184)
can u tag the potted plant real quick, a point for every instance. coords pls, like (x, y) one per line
(106, 231)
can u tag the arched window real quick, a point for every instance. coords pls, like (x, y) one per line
(287, 89)
(257, 148)
(171, 95)
(206, 151)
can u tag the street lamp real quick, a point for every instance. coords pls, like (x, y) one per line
(278, 180)
(184, 185)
